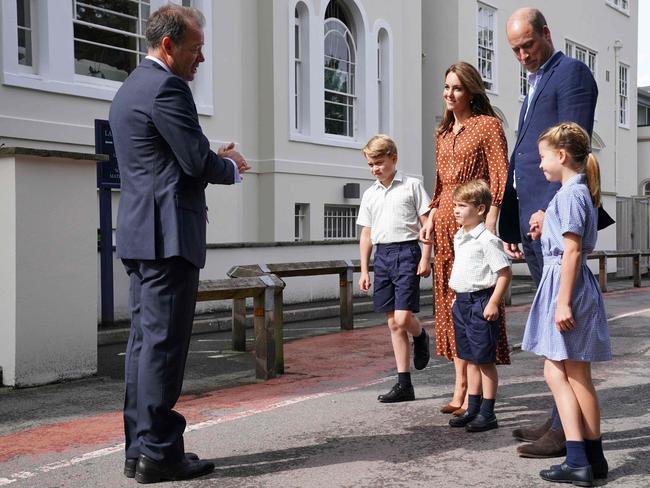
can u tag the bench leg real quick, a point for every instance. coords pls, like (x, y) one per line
(239, 324)
(264, 332)
(636, 269)
(346, 311)
(602, 273)
(278, 326)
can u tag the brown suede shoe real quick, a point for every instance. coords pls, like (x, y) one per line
(551, 444)
(449, 408)
(531, 434)
(458, 412)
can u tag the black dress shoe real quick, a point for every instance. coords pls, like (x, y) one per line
(398, 393)
(421, 354)
(562, 473)
(149, 471)
(130, 463)
(481, 423)
(600, 470)
(462, 420)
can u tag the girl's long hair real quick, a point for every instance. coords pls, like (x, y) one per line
(576, 142)
(471, 80)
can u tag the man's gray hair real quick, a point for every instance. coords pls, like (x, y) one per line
(172, 21)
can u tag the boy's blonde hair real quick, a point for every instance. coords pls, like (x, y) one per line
(475, 192)
(378, 146)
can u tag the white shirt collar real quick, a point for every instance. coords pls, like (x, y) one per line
(474, 233)
(159, 61)
(398, 177)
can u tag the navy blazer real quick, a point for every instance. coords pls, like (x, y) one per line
(165, 163)
(566, 92)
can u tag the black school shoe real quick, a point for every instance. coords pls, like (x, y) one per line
(563, 473)
(599, 470)
(462, 420)
(130, 464)
(421, 354)
(398, 393)
(481, 423)
(149, 471)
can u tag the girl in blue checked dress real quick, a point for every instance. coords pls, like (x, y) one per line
(567, 322)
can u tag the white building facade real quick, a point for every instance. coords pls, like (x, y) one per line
(300, 86)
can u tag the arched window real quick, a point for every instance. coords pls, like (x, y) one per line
(646, 189)
(300, 70)
(383, 81)
(340, 71)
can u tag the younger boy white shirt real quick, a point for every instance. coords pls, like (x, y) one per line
(479, 255)
(393, 213)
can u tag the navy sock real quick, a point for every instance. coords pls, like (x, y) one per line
(487, 407)
(404, 379)
(576, 455)
(594, 448)
(473, 404)
(556, 423)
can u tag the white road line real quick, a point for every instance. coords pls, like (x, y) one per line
(629, 314)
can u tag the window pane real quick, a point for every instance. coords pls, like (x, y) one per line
(108, 37)
(24, 22)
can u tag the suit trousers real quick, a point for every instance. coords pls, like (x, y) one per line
(162, 302)
(532, 252)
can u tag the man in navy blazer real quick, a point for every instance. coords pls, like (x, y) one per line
(560, 89)
(165, 164)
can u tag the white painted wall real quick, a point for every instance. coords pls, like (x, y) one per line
(48, 310)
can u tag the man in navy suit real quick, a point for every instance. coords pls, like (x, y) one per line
(560, 89)
(165, 164)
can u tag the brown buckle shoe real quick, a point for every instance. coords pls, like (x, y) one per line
(551, 444)
(531, 434)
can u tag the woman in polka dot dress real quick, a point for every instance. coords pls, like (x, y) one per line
(470, 144)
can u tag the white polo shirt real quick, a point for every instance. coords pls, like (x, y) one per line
(393, 212)
(479, 255)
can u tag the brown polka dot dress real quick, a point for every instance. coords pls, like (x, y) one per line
(478, 150)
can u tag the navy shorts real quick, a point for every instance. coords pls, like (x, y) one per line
(397, 285)
(476, 338)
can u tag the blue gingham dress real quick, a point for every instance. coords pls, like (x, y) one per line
(570, 210)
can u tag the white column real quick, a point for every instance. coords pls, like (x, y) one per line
(48, 266)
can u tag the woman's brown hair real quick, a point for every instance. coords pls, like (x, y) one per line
(471, 80)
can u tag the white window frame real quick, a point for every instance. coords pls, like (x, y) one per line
(345, 215)
(351, 127)
(623, 95)
(622, 6)
(524, 86)
(139, 36)
(53, 54)
(300, 70)
(495, 48)
(301, 222)
(28, 68)
(384, 72)
(582, 53)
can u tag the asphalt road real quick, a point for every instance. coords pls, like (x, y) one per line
(319, 425)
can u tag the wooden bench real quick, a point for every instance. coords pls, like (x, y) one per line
(602, 256)
(344, 269)
(267, 320)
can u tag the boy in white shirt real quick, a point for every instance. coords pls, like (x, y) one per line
(480, 278)
(391, 213)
